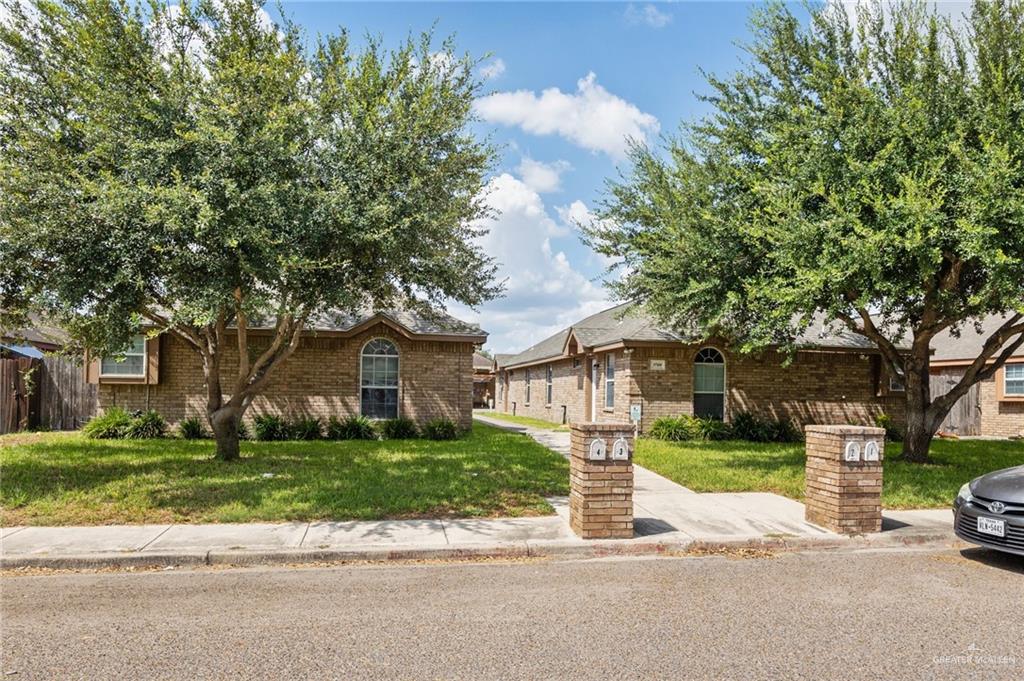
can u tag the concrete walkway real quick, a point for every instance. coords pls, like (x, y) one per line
(664, 509)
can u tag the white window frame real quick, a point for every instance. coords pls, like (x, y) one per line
(725, 380)
(527, 387)
(143, 354)
(548, 391)
(896, 384)
(398, 370)
(1007, 380)
(609, 381)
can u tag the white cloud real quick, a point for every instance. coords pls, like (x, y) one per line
(542, 177)
(591, 117)
(648, 15)
(493, 70)
(544, 291)
(578, 216)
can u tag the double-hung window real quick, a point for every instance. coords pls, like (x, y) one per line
(609, 382)
(1013, 380)
(133, 365)
(379, 380)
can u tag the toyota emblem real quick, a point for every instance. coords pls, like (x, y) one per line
(997, 507)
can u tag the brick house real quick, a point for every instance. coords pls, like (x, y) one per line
(598, 368)
(382, 365)
(483, 380)
(992, 407)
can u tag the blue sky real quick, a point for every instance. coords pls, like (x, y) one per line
(567, 83)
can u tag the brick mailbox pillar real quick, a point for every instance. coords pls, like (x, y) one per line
(601, 480)
(844, 478)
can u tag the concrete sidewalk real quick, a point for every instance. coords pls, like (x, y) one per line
(667, 518)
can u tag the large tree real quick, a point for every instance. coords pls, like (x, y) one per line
(195, 169)
(869, 168)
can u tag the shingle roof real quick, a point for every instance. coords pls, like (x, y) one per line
(948, 347)
(436, 323)
(481, 361)
(629, 322)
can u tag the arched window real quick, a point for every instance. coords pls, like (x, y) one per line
(379, 380)
(709, 384)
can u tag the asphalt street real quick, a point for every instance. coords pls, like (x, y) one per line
(867, 615)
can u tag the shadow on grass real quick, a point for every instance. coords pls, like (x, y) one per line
(80, 481)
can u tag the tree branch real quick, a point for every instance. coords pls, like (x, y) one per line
(980, 369)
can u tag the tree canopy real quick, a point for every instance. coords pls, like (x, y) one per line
(868, 167)
(196, 167)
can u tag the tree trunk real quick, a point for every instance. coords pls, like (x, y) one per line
(224, 423)
(918, 437)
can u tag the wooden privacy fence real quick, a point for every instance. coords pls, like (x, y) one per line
(50, 393)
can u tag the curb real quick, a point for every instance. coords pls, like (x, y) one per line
(555, 549)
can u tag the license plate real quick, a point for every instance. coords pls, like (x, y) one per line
(992, 526)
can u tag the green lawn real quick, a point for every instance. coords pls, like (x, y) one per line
(525, 421)
(779, 468)
(67, 479)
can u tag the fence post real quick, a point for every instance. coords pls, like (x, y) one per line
(844, 478)
(601, 480)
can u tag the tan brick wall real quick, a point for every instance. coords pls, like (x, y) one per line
(1003, 418)
(816, 387)
(843, 496)
(600, 491)
(320, 379)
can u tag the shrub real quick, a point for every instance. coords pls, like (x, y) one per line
(893, 432)
(441, 429)
(353, 428)
(398, 429)
(192, 428)
(686, 427)
(786, 431)
(111, 424)
(747, 426)
(147, 425)
(306, 428)
(243, 430)
(711, 429)
(672, 428)
(270, 428)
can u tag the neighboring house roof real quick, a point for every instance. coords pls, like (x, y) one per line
(40, 335)
(967, 346)
(20, 350)
(629, 323)
(482, 361)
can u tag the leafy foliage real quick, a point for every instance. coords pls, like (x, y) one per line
(192, 428)
(440, 429)
(117, 424)
(892, 431)
(398, 429)
(185, 166)
(687, 427)
(271, 428)
(112, 424)
(146, 425)
(871, 172)
(306, 428)
(754, 428)
(355, 427)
